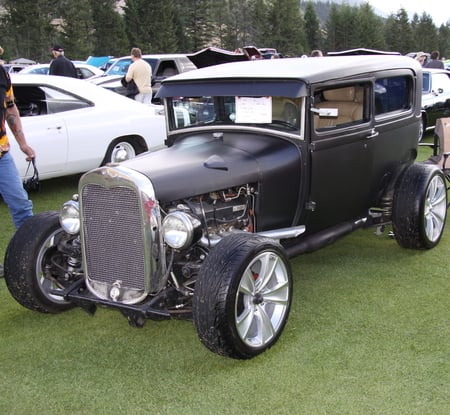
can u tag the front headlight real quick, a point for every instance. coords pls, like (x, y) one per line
(69, 217)
(180, 230)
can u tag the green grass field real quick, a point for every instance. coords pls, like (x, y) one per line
(368, 333)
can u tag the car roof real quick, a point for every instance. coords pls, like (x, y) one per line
(157, 56)
(300, 70)
(74, 86)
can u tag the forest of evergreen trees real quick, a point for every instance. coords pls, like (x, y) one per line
(98, 28)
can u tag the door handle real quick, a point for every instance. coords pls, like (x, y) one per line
(373, 134)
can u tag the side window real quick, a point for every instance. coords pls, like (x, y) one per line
(166, 69)
(58, 101)
(339, 107)
(30, 100)
(393, 94)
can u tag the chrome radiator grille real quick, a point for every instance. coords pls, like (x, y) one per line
(115, 238)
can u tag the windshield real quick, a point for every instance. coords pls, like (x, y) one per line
(120, 67)
(277, 113)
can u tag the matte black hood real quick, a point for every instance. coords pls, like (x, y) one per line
(197, 165)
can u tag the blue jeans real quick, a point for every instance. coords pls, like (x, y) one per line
(12, 191)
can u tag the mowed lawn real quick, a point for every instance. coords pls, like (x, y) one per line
(368, 333)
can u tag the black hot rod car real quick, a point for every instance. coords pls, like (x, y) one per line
(265, 160)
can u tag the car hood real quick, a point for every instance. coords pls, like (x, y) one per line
(195, 166)
(105, 79)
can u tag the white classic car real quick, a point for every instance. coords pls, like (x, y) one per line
(75, 126)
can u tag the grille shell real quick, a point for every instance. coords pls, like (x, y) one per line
(119, 220)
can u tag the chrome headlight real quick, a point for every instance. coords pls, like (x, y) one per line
(69, 217)
(180, 230)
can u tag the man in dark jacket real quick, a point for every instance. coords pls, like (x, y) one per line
(60, 65)
(435, 62)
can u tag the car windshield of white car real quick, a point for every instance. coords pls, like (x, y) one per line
(273, 112)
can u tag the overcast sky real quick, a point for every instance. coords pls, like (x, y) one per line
(435, 8)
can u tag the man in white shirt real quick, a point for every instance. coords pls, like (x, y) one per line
(141, 73)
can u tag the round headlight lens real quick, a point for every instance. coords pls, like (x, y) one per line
(69, 217)
(178, 229)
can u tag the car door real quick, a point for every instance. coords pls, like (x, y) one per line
(437, 105)
(340, 156)
(44, 129)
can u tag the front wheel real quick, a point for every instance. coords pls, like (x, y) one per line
(242, 296)
(419, 207)
(33, 264)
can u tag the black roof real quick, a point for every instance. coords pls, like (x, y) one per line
(288, 71)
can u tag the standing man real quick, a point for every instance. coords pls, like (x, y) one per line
(141, 73)
(60, 65)
(435, 62)
(11, 187)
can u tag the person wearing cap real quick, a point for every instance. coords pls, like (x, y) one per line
(60, 65)
(421, 57)
(141, 73)
(11, 186)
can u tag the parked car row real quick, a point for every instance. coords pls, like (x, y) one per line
(84, 70)
(37, 97)
(163, 66)
(75, 126)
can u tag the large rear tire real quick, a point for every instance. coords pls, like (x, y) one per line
(419, 207)
(242, 296)
(29, 259)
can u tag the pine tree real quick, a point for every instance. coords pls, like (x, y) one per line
(398, 33)
(368, 28)
(150, 25)
(444, 40)
(286, 28)
(425, 33)
(27, 29)
(77, 29)
(312, 27)
(109, 35)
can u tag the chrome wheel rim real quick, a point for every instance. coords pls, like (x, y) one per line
(46, 285)
(122, 151)
(435, 208)
(262, 300)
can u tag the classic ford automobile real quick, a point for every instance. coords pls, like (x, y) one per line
(265, 160)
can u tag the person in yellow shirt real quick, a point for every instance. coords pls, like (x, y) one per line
(11, 186)
(141, 73)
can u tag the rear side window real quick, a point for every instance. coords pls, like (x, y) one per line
(393, 94)
(340, 107)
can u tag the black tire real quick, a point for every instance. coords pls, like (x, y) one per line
(242, 296)
(419, 207)
(26, 256)
(122, 149)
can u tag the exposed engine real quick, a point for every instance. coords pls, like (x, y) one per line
(221, 212)
(217, 213)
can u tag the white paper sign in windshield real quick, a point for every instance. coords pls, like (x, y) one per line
(253, 110)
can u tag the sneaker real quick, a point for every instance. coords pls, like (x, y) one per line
(2, 272)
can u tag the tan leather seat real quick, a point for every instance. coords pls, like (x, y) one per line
(350, 109)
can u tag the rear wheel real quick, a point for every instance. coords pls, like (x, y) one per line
(121, 150)
(242, 296)
(420, 207)
(30, 258)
